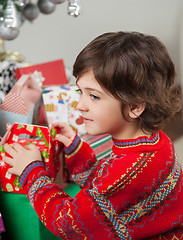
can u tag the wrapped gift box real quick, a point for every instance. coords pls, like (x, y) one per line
(53, 72)
(7, 76)
(60, 103)
(50, 148)
(21, 101)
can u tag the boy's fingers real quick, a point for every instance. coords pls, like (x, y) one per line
(31, 146)
(11, 151)
(63, 139)
(8, 160)
(18, 147)
(11, 171)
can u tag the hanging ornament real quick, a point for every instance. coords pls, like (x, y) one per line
(57, 1)
(74, 8)
(10, 22)
(7, 33)
(11, 16)
(45, 6)
(13, 13)
(30, 11)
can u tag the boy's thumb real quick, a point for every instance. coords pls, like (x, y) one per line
(31, 146)
(63, 139)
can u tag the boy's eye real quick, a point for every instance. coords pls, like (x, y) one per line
(79, 91)
(94, 97)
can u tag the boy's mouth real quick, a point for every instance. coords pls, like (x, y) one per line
(87, 120)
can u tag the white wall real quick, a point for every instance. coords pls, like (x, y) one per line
(59, 35)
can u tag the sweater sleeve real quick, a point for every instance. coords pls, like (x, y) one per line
(81, 162)
(66, 217)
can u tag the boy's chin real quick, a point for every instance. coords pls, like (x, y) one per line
(93, 132)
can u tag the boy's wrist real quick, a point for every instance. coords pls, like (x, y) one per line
(73, 146)
(30, 167)
(72, 141)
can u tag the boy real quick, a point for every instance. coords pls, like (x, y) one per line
(125, 82)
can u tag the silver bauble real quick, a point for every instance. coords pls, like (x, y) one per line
(45, 6)
(11, 16)
(30, 11)
(57, 1)
(74, 8)
(8, 33)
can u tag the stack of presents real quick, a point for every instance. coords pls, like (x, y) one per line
(31, 99)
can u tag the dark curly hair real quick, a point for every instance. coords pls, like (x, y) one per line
(134, 68)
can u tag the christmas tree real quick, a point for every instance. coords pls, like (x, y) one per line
(3, 5)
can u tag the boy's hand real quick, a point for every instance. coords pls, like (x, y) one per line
(21, 157)
(67, 133)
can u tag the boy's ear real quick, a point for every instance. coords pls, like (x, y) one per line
(135, 110)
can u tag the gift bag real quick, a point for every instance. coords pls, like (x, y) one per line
(19, 103)
(50, 148)
(7, 77)
(60, 103)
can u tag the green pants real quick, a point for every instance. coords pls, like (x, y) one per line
(20, 219)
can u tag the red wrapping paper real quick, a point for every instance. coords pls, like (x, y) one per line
(50, 148)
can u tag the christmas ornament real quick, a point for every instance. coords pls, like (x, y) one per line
(30, 11)
(74, 7)
(8, 33)
(11, 16)
(57, 1)
(10, 22)
(45, 6)
(13, 13)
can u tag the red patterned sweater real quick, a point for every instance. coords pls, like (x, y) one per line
(136, 194)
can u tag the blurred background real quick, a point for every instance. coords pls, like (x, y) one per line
(60, 35)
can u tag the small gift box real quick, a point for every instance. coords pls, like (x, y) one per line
(53, 72)
(50, 148)
(60, 103)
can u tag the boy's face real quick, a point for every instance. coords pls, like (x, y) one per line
(101, 111)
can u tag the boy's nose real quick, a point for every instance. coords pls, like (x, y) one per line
(82, 106)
